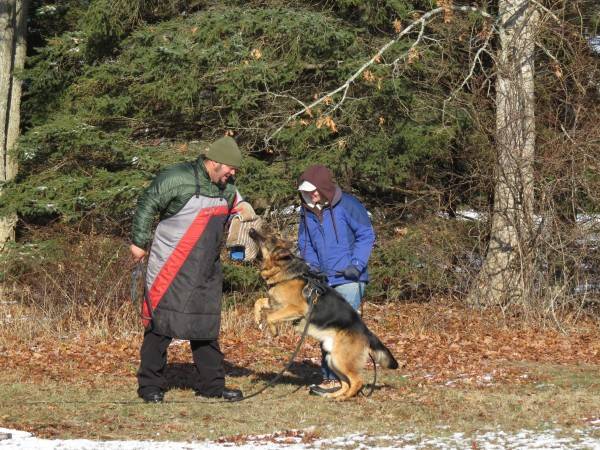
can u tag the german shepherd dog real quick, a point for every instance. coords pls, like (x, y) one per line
(333, 322)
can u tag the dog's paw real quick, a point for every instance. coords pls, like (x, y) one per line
(273, 330)
(336, 397)
(259, 306)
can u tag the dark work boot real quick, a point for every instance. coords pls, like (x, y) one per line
(232, 395)
(153, 397)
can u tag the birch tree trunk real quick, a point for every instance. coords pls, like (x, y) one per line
(13, 30)
(506, 273)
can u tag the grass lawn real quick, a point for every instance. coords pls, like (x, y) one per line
(462, 371)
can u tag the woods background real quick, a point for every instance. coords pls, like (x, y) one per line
(113, 90)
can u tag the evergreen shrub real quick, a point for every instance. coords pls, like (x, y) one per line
(420, 261)
(118, 95)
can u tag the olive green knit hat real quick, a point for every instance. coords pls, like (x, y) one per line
(225, 151)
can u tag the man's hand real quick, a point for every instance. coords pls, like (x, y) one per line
(138, 254)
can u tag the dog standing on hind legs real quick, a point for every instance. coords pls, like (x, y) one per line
(333, 322)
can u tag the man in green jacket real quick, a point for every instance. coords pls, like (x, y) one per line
(184, 278)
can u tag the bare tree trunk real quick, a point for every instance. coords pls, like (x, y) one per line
(506, 272)
(13, 30)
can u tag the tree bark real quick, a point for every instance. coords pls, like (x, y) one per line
(506, 272)
(13, 31)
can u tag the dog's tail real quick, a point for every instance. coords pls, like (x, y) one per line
(381, 354)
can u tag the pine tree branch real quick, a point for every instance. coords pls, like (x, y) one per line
(420, 22)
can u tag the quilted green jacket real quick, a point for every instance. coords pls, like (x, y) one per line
(170, 190)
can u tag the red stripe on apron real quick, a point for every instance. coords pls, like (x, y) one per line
(170, 269)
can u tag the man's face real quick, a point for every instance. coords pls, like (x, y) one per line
(219, 173)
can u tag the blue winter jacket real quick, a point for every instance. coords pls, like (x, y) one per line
(330, 249)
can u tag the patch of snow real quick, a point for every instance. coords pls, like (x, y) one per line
(586, 288)
(287, 211)
(469, 214)
(585, 218)
(594, 42)
(487, 378)
(46, 10)
(484, 380)
(490, 440)
(464, 214)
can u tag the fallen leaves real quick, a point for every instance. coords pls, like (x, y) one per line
(435, 343)
(280, 437)
(458, 345)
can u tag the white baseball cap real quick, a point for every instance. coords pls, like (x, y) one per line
(307, 186)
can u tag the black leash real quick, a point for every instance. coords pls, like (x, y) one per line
(312, 300)
(360, 287)
(374, 379)
(136, 273)
(139, 272)
(313, 289)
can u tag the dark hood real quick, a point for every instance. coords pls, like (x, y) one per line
(322, 178)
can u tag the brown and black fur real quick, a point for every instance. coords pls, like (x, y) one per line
(333, 322)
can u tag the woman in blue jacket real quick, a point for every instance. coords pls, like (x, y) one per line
(335, 237)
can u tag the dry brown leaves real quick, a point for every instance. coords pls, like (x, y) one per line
(435, 344)
(280, 437)
(451, 345)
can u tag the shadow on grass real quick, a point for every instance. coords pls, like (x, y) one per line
(182, 375)
(300, 374)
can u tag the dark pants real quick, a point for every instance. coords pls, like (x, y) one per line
(208, 360)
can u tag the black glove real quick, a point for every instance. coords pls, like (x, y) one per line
(350, 273)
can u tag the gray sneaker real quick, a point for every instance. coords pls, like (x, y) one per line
(326, 387)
